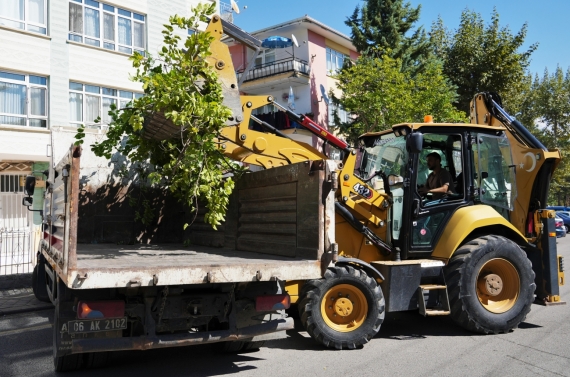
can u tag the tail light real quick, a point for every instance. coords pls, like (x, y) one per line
(272, 302)
(100, 309)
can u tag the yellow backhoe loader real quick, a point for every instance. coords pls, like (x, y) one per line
(482, 253)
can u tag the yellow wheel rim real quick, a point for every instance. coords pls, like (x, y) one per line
(344, 308)
(498, 285)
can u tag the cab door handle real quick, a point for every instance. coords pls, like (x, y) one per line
(416, 205)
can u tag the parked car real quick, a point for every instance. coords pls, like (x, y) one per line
(558, 208)
(565, 216)
(560, 228)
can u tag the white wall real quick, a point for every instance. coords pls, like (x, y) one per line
(61, 61)
(23, 145)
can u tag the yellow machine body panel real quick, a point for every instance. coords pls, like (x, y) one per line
(463, 222)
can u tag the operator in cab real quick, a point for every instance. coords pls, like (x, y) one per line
(438, 180)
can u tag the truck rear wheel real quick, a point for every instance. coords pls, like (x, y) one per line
(345, 309)
(96, 359)
(238, 346)
(63, 363)
(490, 284)
(39, 286)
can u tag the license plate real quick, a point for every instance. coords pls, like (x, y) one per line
(94, 325)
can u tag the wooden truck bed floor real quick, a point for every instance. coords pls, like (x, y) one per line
(110, 265)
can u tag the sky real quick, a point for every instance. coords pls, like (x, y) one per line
(547, 20)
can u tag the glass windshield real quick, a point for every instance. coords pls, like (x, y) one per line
(495, 173)
(388, 154)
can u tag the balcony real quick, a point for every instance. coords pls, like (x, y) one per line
(276, 75)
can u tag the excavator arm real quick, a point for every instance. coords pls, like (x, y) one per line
(273, 148)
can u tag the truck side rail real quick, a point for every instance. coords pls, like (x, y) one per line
(59, 233)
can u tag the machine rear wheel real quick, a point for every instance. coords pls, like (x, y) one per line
(490, 284)
(344, 309)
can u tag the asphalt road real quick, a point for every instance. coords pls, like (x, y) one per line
(407, 344)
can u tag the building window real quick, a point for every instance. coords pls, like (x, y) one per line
(343, 116)
(23, 100)
(89, 102)
(101, 25)
(265, 57)
(335, 60)
(27, 15)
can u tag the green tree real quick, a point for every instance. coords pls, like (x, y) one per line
(378, 93)
(182, 86)
(479, 58)
(552, 104)
(385, 27)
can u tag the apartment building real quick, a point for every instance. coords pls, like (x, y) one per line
(307, 69)
(62, 63)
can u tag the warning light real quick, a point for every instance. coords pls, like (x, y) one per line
(428, 119)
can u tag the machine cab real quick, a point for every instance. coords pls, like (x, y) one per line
(474, 164)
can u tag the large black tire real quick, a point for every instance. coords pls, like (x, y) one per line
(96, 359)
(39, 286)
(64, 363)
(476, 265)
(239, 346)
(313, 316)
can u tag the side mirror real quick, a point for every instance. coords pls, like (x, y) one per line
(27, 201)
(30, 185)
(415, 142)
(395, 179)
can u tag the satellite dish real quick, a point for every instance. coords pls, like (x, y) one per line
(294, 40)
(324, 94)
(234, 6)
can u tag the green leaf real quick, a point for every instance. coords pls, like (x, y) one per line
(188, 166)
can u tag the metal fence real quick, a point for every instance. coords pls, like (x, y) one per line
(16, 255)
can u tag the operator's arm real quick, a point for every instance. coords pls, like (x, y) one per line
(443, 189)
(444, 180)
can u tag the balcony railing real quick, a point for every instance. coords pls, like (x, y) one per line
(275, 68)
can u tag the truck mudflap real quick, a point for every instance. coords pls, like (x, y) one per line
(179, 340)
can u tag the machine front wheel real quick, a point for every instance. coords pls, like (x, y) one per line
(345, 309)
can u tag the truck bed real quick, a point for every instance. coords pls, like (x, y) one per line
(279, 226)
(108, 265)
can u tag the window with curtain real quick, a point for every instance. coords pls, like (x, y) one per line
(27, 15)
(335, 60)
(89, 102)
(23, 100)
(103, 25)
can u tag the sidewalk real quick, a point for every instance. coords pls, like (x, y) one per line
(16, 295)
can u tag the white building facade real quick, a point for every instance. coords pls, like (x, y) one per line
(63, 63)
